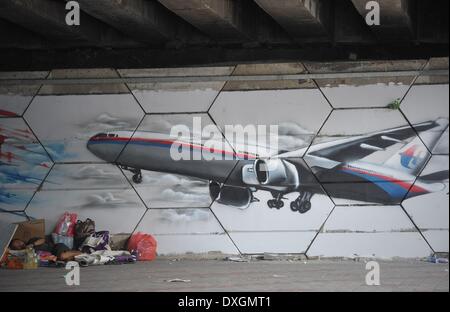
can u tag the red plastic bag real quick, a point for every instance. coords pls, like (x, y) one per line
(144, 244)
(66, 224)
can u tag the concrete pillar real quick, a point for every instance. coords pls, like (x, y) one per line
(309, 20)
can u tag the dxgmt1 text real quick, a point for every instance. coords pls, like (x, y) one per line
(224, 302)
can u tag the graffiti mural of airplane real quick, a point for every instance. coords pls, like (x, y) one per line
(338, 164)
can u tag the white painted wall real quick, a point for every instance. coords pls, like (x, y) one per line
(178, 210)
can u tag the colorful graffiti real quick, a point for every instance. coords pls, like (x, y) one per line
(23, 163)
(5, 113)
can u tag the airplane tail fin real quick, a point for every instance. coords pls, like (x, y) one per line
(433, 137)
(412, 157)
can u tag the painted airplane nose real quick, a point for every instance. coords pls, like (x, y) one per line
(104, 147)
(94, 145)
(90, 145)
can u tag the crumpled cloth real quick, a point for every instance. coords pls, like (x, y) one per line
(95, 242)
(100, 257)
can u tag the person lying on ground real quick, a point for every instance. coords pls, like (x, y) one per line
(61, 251)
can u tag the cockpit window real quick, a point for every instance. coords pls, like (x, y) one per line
(101, 135)
(111, 135)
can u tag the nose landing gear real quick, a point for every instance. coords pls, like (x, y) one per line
(303, 203)
(137, 174)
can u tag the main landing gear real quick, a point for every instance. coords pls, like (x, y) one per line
(303, 202)
(277, 202)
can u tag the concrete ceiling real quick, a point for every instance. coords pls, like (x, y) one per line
(231, 29)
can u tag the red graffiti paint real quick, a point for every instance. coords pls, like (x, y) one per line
(26, 131)
(7, 113)
(2, 141)
(8, 156)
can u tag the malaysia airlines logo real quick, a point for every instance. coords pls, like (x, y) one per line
(411, 157)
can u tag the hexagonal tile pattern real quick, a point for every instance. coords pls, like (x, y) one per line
(77, 118)
(165, 190)
(117, 211)
(369, 173)
(86, 176)
(438, 63)
(364, 92)
(11, 217)
(23, 164)
(15, 99)
(279, 230)
(180, 221)
(428, 104)
(97, 191)
(369, 231)
(90, 88)
(441, 147)
(150, 150)
(15, 199)
(298, 114)
(432, 219)
(186, 230)
(176, 97)
(367, 156)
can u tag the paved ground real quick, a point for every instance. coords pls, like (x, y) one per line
(217, 275)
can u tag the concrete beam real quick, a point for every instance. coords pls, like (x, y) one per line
(47, 18)
(302, 19)
(224, 20)
(433, 21)
(14, 59)
(349, 27)
(396, 19)
(221, 19)
(14, 36)
(147, 21)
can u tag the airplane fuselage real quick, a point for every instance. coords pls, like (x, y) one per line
(355, 181)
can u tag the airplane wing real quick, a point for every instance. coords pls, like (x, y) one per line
(357, 148)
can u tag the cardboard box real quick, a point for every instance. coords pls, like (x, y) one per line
(23, 230)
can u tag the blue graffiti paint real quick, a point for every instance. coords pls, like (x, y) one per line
(24, 164)
(58, 151)
(13, 198)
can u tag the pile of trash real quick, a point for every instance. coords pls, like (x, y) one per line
(72, 240)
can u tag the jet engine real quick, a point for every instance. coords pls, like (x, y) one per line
(231, 195)
(275, 172)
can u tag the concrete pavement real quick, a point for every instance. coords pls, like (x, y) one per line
(220, 275)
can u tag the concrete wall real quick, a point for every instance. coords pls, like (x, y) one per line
(393, 204)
